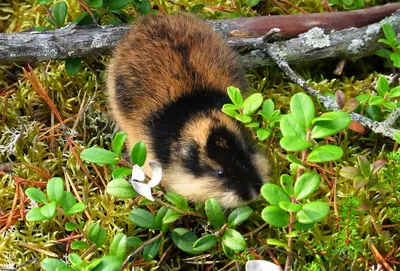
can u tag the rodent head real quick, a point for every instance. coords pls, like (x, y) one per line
(216, 158)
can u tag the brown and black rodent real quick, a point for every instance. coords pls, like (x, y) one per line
(167, 82)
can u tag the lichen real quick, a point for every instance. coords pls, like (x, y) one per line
(355, 45)
(316, 38)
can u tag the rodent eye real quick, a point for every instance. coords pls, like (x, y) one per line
(220, 173)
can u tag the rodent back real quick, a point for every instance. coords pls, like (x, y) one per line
(164, 57)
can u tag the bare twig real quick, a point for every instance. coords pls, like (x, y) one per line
(383, 128)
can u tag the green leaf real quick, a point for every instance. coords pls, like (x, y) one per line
(205, 243)
(394, 92)
(325, 153)
(365, 166)
(59, 12)
(97, 234)
(263, 134)
(177, 200)
(363, 98)
(234, 240)
(214, 213)
(306, 185)
(51, 264)
(252, 103)
(55, 189)
(230, 110)
(253, 125)
(100, 156)
(121, 172)
(275, 216)
(73, 65)
(290, 127)
(109, 263)
(184, 240)
(118, 246)
(36, 195)
(144, 7)
(330, 124)
(277, 243)
(228, 252)
(69, 226)
(267, 109)
(143, 218)
(235, 96)
(274, 193)
(302, 109)
(252, 3)
(134, 242)
(295, 144)
(395, 57)
(76, 208)
(159, 219)
(35, 215)
(303, 227)
(118, 4)
(78, 244)
(49, 209)
(118, 142)
(376, 100)
(171, 216)
(138, 154)
(44, 2)
(389, 104)
(312, 212)
(287, 184)
(239, 215)
(68, 200)
(151, 250)
(383, 86)
(121, 188)
(75, 259)
(95, 3)
(243, 118)
(389, 32)
(290, 207)
(396, 136)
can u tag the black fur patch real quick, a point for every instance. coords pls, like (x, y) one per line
(191, 161)
(123, 95)
(165, 126)
(234, 155)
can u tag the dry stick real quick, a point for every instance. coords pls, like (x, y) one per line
(383, 128)
(132, 256)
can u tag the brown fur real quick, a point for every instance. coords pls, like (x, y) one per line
(161, 59)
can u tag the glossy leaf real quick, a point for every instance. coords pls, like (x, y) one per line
(239, 215)
(287, 184)
(151, 250)
(73, 65)
(171, 216)
(290, 127)
(49, 209)
(76, 208)
(118, 142)
(35, 215)
(290, 207)
(205, 243)
(59, 12)
(75, 259)
(263, 134)
(330, 124)
(295, 144)
(100, 156)
(97, 234)
(383, 86)
(68, 200)
(121, 172)
(118, 4)
(306, 185)
(214, 213)
(138, 154)
(51, 264)
(396, 136)
(184, 240)
(325, 153)
(275, 216)
(69, 226)
(252, 103)
(394, 92)
(234, 240)
(177, 200)
(133, 241)
(118, 246)
(365, 166)
(36, 195)
(243, 118)
(109, 263)
(159, 219)
(302, 109)
(235, 95)
(376, 100)
(55, 189)
(274, 193)
(78, 244)
(143, 218)
(121, 188)
(313, 212)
